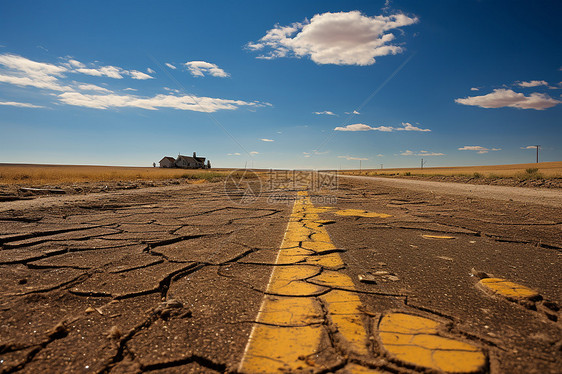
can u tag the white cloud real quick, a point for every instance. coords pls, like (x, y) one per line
(76, 64)
(508, 98)
(530, 147)
(474, 89)
(139, 75)
(362, 127)
(478, 148)
(129, 89)
(421, 153)
(409, 127)
(200, 68)
(92, 87)
(171, 89)
(317, 152)
(233, 154)
(326, 112)
(351, 158)
(170, 66)
(21, 105)
(20, 71)
(380, 155)
(254, 153)
(107, 71)
(150, 71)
(186, 102)
(267, 140)
(532, 84)
(344, 38)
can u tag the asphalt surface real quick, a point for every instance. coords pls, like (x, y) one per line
(183, 279)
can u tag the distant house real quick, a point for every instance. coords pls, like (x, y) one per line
(167, 162)
(185, 162)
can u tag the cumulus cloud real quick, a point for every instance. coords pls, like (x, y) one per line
(185, 102)
(508, 98)
(21, 105)
(351, 158)
(362, 127)
(532, 84)
(478, 148)
(202, 68)
(354, 112)
(420, 153)
(150, 71)
(474, 89)
(343, 38)
(254, 153)
(530, 147)
(267, 140)
(170, 66)
(233, 154)
(326, 112)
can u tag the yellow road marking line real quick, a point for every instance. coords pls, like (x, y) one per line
(438, 237)
(361, 213)
(510, 290)
(289, 325)
(414, 340)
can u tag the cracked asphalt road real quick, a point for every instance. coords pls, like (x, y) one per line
(173, 279)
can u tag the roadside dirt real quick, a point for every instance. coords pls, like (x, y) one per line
(512, 182)
(11, 192)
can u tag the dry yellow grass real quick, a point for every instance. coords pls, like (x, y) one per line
(545, 169)
(23, 174)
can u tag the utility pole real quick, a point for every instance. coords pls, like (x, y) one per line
(538, 146)
(422, 163)
(360, 165)
(381, 166)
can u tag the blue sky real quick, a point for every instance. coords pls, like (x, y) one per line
(292, 84)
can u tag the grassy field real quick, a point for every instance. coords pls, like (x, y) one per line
(521, 171)
(24, 174)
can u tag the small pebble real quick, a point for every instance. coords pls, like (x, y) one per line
(367, 278)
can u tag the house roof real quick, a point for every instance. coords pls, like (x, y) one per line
(190, 159)
(171, 159)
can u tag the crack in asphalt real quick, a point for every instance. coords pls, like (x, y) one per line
(167, 278)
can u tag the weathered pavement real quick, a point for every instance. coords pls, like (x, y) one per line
(387, 280)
